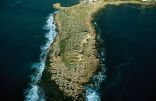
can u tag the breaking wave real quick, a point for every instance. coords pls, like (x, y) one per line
(34, 92)
(92, 90)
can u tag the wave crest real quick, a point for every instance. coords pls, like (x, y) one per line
(33, 93)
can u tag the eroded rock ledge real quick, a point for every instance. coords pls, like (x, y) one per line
(73, 59)
(73, 55)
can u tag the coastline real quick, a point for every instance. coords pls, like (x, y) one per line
(59, 65)
(51, 89)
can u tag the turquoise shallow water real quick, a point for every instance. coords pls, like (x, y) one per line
(129, 34)
(21, 37)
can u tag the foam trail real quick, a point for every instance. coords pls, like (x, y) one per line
(92, 90)
(34, 92)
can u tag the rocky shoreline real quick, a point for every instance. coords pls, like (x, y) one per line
(72, 60)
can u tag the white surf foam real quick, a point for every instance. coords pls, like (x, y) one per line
(33, 93)
(92, 90)
(92, 95)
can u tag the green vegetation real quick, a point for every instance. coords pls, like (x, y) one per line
(73, 55)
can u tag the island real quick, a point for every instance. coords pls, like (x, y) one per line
(73, 56)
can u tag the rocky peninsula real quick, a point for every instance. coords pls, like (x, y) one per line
(72, 60)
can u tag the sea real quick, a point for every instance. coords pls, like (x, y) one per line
(24, 29)
(129, 38)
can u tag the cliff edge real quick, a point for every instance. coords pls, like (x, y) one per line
(72, 56)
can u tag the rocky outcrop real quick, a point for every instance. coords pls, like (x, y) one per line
(73, 58)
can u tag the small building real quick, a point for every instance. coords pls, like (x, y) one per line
(149, 0)
(89, 1)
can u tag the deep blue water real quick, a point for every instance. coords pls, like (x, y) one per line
(21, 36)
(129, 34)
